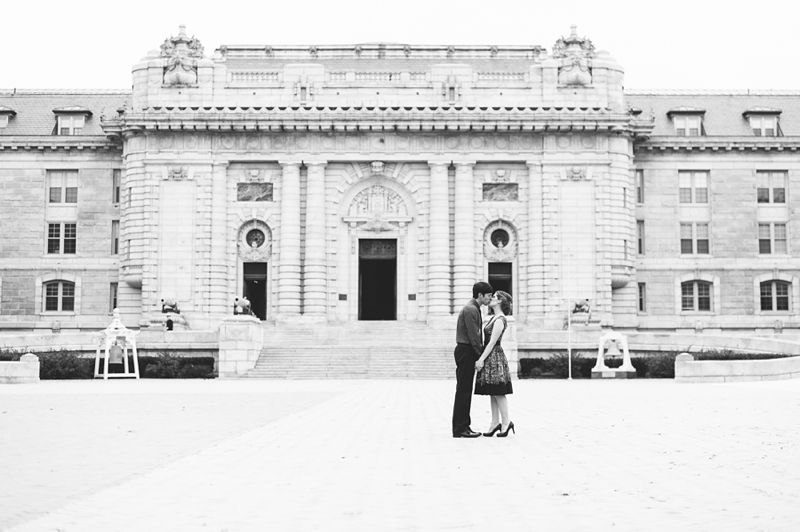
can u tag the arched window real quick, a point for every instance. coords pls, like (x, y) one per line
(775, 295)
(59, 296)
(697, 296)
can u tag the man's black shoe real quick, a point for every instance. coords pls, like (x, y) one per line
(467, 434)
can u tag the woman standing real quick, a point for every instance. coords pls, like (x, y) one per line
(494, 377)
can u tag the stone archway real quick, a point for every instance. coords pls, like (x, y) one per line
(377, 246)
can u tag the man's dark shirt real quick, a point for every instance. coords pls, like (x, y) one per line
(468, 329)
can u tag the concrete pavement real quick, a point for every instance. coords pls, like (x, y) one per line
(378, 455)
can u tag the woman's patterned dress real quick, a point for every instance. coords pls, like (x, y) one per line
(494, 378)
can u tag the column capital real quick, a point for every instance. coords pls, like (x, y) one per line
(536, 163)
(223, 164)
(462, 164)
(433, 164)
(290, 162)
(315, 163)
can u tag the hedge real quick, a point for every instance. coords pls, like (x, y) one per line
(659, 365)
(63, 364)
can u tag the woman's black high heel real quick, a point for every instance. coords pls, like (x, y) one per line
(510, 427)
(490, 434)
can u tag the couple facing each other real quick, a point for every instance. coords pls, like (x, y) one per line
(487, 357)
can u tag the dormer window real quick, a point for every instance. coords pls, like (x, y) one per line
(688, 121)
(71, 120)
(5, 115)
(764, 121)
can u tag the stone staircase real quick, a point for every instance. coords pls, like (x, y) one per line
(362, 350)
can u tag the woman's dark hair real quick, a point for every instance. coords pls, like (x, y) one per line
(481, 287)
(505, 301)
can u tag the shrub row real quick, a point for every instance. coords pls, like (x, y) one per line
(653, 366)
(62, 364)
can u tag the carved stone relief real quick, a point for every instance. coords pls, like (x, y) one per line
(500, 192)
(576, 173)
(254, 192)
(254, 242)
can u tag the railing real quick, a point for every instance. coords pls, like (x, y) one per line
(378, 76)
(254, 77)
(501, 76)
(338, 76)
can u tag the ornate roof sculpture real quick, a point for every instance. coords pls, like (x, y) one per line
(180, 56)
(575, 60)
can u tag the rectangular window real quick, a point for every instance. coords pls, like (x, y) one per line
(70, 124)
(61, 237)
(771, 187)
(694, 238)
(688, 125)
(112, 297)
(116, 186)
(640, 235)
(701, 231)
(639, 186)
(693, 187)
(53, 238)
(764, 126)
(115, 237)
(63, 186)
(642, 297)
(772, 238)
(686, 239)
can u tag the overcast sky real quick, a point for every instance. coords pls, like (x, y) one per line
(679, 44)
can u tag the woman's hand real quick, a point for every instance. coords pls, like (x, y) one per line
(479, 365)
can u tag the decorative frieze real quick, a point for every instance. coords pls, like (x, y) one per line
(254, 192)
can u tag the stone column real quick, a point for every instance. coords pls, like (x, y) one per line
(464, 233)
(289, 243)
(219, 294)
(534, 270)
(315, 267)
(439, 304)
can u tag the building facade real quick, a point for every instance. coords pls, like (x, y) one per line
(331, 184)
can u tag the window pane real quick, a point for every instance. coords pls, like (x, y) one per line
(642, 305)
(686, 246)
(69, 238)
(686, 195)
(639, 186)
(53, 238)
(702, 231)
(686, 231)
(763, 195)
(51, 296)
(55, 194)
(687, 296)
(72, 195)
(757, 132)
(703, 296)
(685, 179)
(763, 231)
(764, 247)
(781, 295)
(70, 230)
(701, 195)
(779, 195)
(702, 246)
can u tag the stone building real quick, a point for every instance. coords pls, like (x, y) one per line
(334, 184)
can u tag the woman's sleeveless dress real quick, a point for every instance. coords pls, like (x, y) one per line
(495, 377)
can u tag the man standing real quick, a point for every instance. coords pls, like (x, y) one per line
(469, 348)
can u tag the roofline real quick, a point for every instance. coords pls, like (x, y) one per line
(27, 92)
(711, 92)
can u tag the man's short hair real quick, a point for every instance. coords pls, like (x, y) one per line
(481, 287)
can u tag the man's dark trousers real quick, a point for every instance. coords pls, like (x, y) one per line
(465, 373)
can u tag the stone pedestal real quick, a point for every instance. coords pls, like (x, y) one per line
(19, 372)
(241, 339)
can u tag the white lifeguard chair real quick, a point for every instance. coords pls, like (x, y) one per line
(626, 370)
(116, 338)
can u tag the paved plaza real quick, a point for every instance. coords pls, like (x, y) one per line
(378, 455)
